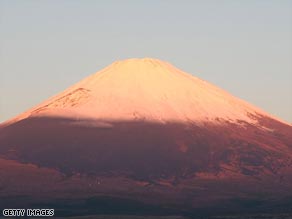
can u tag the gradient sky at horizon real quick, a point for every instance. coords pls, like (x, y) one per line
(244, 46)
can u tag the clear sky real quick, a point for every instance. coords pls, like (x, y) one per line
(242, 46)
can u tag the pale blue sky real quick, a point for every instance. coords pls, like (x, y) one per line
(244, 46)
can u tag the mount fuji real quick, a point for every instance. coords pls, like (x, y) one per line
(143, 134)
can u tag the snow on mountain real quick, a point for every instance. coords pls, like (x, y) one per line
(146, 90)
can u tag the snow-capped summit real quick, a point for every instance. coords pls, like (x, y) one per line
(146, 89)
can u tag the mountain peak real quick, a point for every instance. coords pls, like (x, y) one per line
(145, 60)
(139, 65)
(146, 89)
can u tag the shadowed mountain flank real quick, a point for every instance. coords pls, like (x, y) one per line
(145, 149)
